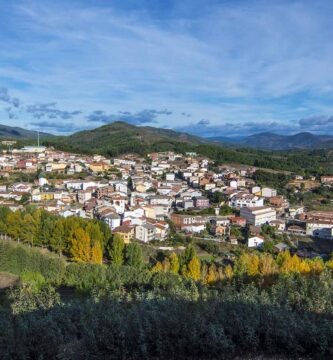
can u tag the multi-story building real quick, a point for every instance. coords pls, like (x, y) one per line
(243, 199)
(125, 232)
(145, 232)
(268, 192)
(201, 202)
(258, 215)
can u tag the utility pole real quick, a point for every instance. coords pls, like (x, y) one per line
(38, 137)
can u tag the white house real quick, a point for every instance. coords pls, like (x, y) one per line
(255, 241)
(243, 199)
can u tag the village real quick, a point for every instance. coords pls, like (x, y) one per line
(154, 198)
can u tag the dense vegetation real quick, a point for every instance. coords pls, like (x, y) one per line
(79, 239)
(133, 312)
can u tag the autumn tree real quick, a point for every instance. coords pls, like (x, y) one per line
(212, 275)
(194, 269)
(158, 267)
(96, 253)
(80, 246)
(174, 263)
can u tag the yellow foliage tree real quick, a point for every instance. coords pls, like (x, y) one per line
(194, 268)
(96, 253)
(267, 265)
(174, 263)
(317, 265)
(248, 264)
(212, 275)
(228, 272)
(158, 267)
(80, 246)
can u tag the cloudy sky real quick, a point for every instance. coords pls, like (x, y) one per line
(207, 67)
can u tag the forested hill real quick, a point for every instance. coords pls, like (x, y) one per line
(120, 138)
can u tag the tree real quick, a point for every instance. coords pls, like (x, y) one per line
(188, 255)
(32, 293)
(194, 268)
(94, 232)
(174, 263)
(14, 225)
(268, 246)
(247, 264)
(117, 250)
(228, 272)
(80, 246)
(235, 231)
(96, 253)
(57, 236)
(226, 210)
(212, 275)
(134, 256)
(267, 265)
(158, 267)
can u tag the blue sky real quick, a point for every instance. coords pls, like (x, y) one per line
(207, 67)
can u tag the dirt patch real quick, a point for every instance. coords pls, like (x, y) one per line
(7, 280)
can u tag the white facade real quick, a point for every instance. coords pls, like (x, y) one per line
(241, 200)
(320, 229)
(268, 192)
(255, 241)
(258, 216)
(145, 233)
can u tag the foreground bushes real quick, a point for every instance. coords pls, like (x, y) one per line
(170, 329)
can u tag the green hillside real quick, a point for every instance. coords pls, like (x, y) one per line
(120, 138)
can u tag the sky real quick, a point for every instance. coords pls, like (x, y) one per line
(210, 68)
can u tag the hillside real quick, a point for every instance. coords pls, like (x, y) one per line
(120, 137)
(271, 141)
(17, 133)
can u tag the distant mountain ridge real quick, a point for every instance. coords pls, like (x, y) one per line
(272, 141)
(119, 137)
(17, 133)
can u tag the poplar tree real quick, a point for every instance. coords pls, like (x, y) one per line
(80, 246)
(174, 263)
(117, 250)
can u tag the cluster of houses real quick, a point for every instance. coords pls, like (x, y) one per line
(140, 199)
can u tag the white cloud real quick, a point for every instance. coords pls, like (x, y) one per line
(230, 62)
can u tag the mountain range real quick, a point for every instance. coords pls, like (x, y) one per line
(119, 137)
(17, 133)
(272, 141)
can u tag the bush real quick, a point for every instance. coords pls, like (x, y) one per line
(17, 259)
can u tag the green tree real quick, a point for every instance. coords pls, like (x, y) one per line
(134, 256)
(189, 254)
(117, 250)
